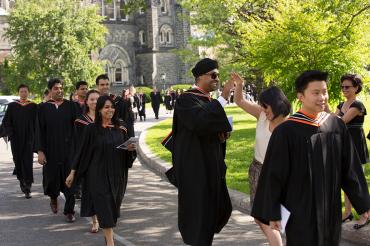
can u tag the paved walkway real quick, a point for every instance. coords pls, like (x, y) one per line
(148, 213)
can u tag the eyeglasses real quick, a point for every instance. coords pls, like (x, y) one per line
(213, 75)
(345, 87)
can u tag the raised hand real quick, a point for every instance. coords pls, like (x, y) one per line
(236, 78)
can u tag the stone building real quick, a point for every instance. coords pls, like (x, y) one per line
(5, 5)
(139, 47)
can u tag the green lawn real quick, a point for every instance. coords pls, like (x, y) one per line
(239, 146)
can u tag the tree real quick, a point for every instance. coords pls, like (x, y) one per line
(53, 38)
(277, 39)
(311, 35)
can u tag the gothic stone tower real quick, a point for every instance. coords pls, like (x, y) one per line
(140, 46)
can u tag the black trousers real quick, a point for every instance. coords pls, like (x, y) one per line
(69, 205)
(156, 110)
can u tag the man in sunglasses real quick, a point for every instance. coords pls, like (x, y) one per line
(200, 129)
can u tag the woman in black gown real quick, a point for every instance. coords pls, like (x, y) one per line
(352, 111)
(81, 123)
(104, 166)
(168, 102)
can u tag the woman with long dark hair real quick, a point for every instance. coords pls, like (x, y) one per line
(81, 123)
(104, 166)
(272, 110)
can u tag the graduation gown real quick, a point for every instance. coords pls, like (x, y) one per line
(125, 113)
(80, 107)
(204, 205)
(307, 163)
(168, 102)
(156, 99)
(56, 141)
(104, 169)
(141, 104)
(80, 124)
(19, 125)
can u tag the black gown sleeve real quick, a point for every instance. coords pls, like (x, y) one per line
(6, 129)
(353, 179)
(40, 129)
(273, 179)
(78, 133)
(202, 118)
(85, 151)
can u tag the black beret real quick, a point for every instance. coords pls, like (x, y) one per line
(204, 66)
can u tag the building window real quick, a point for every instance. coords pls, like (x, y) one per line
(166, 35)
(161, 37)
(121, 73)
(163, 5)
(118, 74)
(108, 10)
(114, 10)
(142, 37)
(121, 9)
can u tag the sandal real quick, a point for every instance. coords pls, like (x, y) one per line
(359, 226)
(348, 218)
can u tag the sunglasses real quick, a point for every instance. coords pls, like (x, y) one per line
(345, 87)
(213, 75)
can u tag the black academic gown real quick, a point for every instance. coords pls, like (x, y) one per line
(156, 99)
(80, 107)
(125, 113)
(104, 169)
(304, 169)
(168, 102)
(19, 125)
(141, 104)
(198, 160)
(56, 141)
(80, 125)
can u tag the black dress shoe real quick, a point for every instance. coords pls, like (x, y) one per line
(27, 195)
(359, 226)
(70, 218)
(348, 218)
(54, 205)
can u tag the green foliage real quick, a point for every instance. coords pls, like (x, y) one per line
(304, 36)
(274, 41)
(181, 87)
(53, 38)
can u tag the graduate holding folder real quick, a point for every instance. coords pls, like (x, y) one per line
(103, 166)
(309, 158)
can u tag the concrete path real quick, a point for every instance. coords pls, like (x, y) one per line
(148, 213)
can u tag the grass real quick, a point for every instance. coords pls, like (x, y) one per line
(240, 146)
